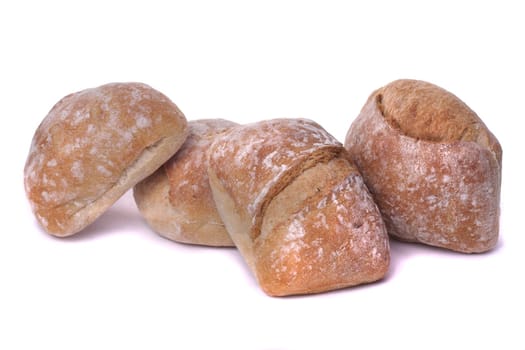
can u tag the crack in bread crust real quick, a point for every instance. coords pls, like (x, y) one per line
(323, 155)
(436, 184)
(297, 208)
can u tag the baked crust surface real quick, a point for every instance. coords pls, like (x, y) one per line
(432, 166)
(93, 146)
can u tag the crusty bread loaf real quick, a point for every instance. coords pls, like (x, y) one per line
(93, 146)
(176, 200)
(431, 164)
(296, 207)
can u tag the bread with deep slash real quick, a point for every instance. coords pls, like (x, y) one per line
(432, 165)
(176, 200)
(93, 146)
(296, 207)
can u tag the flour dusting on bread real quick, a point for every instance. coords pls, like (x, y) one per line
(297, 208)
(87, 142)
(433, 167)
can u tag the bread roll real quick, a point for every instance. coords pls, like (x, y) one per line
(433, 167)
(93, 146)
(176, 200)
(296, 207)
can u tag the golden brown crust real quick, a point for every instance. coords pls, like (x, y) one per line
(256, 168)
(332, 238)
(297, 208)
(176, 200)
(431, 164)
(425, 111)
(94, 145)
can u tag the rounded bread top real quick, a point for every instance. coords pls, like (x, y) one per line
(87, 142)
(425, 111)
(187, 169)
(255, 161)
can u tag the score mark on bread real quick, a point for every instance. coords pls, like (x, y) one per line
(289, 195)
(432, 165)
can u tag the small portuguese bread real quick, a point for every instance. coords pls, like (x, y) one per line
(431, 164)
(93, 146)
(296, 207)
(176, 200)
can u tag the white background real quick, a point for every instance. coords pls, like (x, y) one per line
(120, 286)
